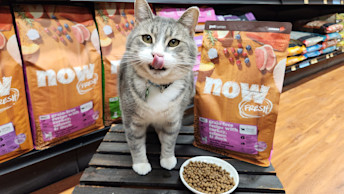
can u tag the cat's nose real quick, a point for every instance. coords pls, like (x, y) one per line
(157, 54)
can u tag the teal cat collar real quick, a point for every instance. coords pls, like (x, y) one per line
(162, 88)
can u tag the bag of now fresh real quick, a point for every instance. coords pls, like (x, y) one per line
(15, 132)
(115, 21)
(63, 70)
(238, 88)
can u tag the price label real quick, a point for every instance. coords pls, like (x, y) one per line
(293, 68)
(342, 49)
(305, 1)
(327, 56)
(331, 55)
(313, 61)
(325, 1)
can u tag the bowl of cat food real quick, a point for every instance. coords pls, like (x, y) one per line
(206, 174)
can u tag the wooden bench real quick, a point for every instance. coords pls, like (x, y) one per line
(110, 169)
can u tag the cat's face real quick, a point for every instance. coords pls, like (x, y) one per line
(161, 49)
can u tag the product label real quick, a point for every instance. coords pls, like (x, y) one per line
(85, 75)
(253, 104)
(8, 96)
(65, 122)
(115, 110)
(232, 136)
(7, 139)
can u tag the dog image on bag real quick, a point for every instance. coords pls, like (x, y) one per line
(156, 81)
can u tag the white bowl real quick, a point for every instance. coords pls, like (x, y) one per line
(208, 159)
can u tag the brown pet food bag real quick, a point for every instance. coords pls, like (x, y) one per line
(63, 70)
(238, 88)
(15, 132)
(115, 21)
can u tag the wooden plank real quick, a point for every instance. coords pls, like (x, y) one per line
(83, 189)
(152, 138)
(180, 150)
(168, 179)
(184, 130)
(124, 161)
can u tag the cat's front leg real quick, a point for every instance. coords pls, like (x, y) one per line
(136, 138)
(168, 135)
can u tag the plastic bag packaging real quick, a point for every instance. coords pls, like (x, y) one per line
(238, 87)
(15, 132)
(63, 70)
(115, 21)
(323, 27)
(295, 59)
(206, 13)
(296, 50)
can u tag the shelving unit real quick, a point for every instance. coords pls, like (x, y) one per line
(37, 169)
(310, 66)
(312, 2)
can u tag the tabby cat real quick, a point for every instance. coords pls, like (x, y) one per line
(156, 81)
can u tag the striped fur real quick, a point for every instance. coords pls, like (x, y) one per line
(163, 110)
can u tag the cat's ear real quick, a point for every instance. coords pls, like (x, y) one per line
(190, 19)
(142, 11)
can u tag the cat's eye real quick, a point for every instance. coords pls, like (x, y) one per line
(173, 43)
(147, 39)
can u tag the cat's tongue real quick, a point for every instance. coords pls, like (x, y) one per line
(158, 62)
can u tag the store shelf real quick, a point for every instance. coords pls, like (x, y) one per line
(272, 2)
(308, 67)
(38, 169)
(312, 2)
(212, 2)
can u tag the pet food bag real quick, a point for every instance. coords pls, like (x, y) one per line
(15, 132)
(230, 17)
(323, 27)
(63, 70)
(206, 13)
(238, 88)
(198, 40)
(340, 20)
(115, 21)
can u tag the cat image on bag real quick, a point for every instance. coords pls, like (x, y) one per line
(156, 81)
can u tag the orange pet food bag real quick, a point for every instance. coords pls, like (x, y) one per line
(15, 132)
(115, 21)
(238, 88)
(63, 70)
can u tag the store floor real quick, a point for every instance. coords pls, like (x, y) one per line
(308, 150)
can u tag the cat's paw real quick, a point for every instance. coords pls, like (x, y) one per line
(168, 163)
(142, 168)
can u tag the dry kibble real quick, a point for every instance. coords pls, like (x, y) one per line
(208, 178)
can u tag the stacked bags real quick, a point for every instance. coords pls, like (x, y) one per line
(340, 20)
(304, 45)
(15, 134)
(314, 37)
